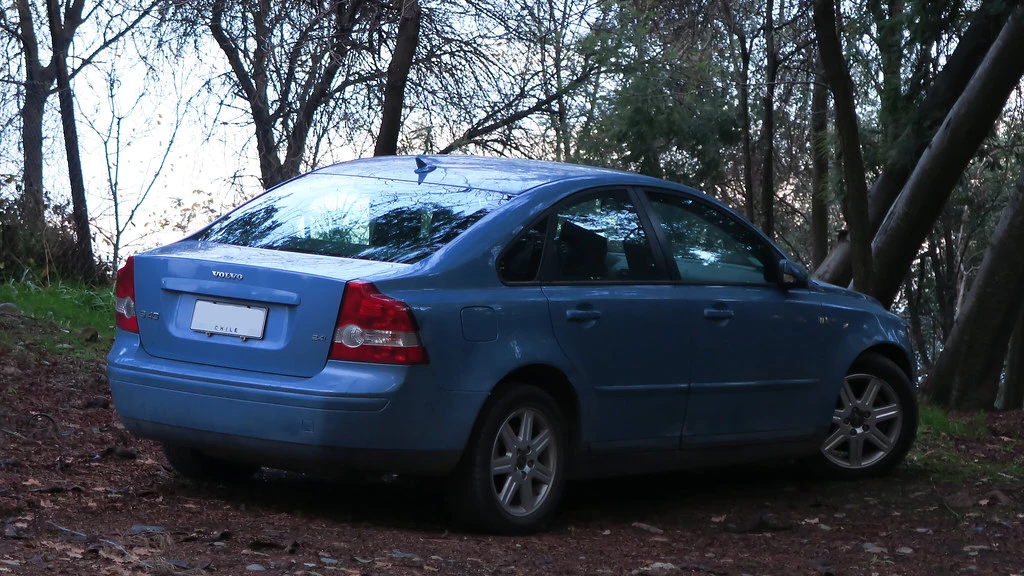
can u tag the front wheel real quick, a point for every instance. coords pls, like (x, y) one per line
(874, 422)
(514, 470)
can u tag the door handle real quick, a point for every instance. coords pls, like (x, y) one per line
(582, 315)
(718, 313)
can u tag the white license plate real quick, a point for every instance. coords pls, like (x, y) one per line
(231, 319)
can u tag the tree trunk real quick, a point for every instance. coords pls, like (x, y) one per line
(949, 84)
(38, 80)
(889, 24)
(768, 124)
(80, 214)
(398, 75)
(856, 202)
(748, 153)
(33, 203)
(1013, 398)
(933, 179)
(250, 71)
(819, 169)
(974, 351)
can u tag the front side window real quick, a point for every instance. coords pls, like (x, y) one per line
(354, 217)
(708, 245)
(600, 238)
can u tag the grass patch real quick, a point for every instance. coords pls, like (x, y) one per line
(938, 451)
(70, 307)
(937, 420)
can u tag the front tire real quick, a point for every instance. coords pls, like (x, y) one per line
(194, 464)
(874, 422)
(513, 472)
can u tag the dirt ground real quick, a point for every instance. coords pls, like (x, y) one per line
(79, 495)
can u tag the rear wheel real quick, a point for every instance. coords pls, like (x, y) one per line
(874, 422)
(513, 473)
(194, 464)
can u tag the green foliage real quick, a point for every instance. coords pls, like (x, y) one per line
(71, 306)
(669, 115)
(50, 256)
(935, 420)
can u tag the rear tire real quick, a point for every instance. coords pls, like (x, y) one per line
(194, 464)
(513, 472)
(874, 423)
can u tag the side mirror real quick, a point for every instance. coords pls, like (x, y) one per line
(792, 275)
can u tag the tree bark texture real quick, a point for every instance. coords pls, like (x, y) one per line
(819, 170)
(967, 372)
(856, 201)
(949, 84)
(925, 194)
(748, 153)
(398, 76)
(38, 80)
(84, 258)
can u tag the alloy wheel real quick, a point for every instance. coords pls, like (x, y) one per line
(524, 462)
(866, 423)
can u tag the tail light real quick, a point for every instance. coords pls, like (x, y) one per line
(375, 328)
(124, 297)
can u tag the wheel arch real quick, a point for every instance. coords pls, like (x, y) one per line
(896, 354)
(551, 380)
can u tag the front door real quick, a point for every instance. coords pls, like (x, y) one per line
(756, 346)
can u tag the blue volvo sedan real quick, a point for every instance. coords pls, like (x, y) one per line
(508, 324)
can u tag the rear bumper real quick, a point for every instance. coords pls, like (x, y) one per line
(349, 416)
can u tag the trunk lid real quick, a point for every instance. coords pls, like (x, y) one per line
(246, 308)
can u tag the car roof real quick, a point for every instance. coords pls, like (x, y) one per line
(505, 175)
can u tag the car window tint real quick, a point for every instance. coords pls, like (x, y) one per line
(600, 237)
(708, 245)
(521, 261)
(355, 217)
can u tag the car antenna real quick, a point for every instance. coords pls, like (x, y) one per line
(422, 168)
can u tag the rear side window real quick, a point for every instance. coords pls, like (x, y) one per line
(599, 237)
(521, 261)
(355, 217)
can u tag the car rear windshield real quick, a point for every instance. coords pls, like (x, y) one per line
(354, 217)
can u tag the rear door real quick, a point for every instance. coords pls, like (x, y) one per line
(756, 348)
(607, 295)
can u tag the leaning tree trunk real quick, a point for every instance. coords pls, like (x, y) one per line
(1013, 398)
(925, 194)
(856, 202)
(949, 84)
(398, 75)
(85, 261)
(966, 374)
